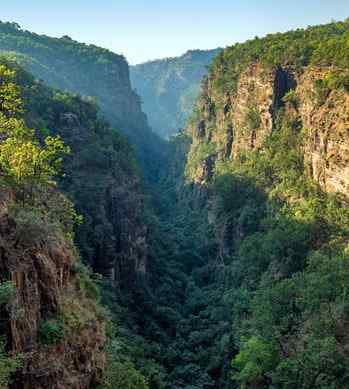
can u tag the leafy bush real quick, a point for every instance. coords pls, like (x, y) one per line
(337, 80)
(8, 366)
(291, 98)
(51, 331)
(86, 283)
(7, 292)
(255, 359)
(322, 91)
(123, 375)
(253, 119)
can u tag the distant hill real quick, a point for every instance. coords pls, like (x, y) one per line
(87, 70)
(169, 87)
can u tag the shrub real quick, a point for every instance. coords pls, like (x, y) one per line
(8, 366)
(291, 98)
(7, 292)
(335, 81)
(322, 91)
(86, 283)
(254, 360)
(253, 119)
(123, 375)
(51, 331)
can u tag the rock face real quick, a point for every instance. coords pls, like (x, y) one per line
(327, 143)
(42, 268)
(231, 124)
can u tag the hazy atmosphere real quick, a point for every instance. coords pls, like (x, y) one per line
(148, 29)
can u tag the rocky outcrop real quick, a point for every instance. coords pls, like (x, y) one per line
(42, 267)
(231, 124)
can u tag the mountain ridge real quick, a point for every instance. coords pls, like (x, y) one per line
(168, 88)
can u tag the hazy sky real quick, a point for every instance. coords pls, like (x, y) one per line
(149, 29)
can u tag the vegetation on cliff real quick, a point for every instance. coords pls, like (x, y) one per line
(57, 310)
(282, 240)
(325, 45)
(36, 226)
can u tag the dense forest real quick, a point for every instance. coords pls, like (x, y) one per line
(216, 259)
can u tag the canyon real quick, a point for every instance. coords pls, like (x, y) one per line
(217, 258)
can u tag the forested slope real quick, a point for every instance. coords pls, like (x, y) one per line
(53, 329)
(61, 322)
(92, 72)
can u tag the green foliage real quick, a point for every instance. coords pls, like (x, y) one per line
(291, 277)
(255, 359)
(100, 169)
(264, 284)
(253, 119)
(86, 283)
(7, 292)
(121, 371)
(291, 98)
(123, 375)
(8, 366)
(320, 365)
(24, 162)
(198, 156)
(325, 45)
(51, 331)
(335, 81)
(34, 224)
(322, 91)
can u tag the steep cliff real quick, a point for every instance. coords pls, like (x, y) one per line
(101, 178)
(52, 327)
(169, 88)
(269, 162)
(51, 320)
(239, 115)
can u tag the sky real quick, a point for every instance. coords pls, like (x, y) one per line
(142, 30)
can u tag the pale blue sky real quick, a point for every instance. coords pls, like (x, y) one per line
(149, 29)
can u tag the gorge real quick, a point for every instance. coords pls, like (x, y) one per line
(216, 258)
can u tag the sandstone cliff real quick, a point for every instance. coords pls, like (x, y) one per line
(231, 124)
(52, 322)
